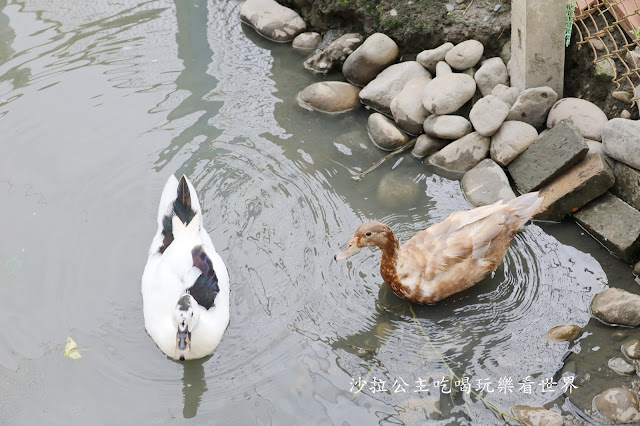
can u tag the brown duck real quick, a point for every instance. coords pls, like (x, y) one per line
(448, 257)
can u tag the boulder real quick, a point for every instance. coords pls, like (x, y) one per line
(376, 53)
(330, 96)
(486, 184)
(533, 105)
(271, 20)
(587, 117)
(447, 126)
(627, 185)
(621, 139)
(426, 145)
(334, 55)
(443, 68)
(506, 94)
(407, 108)
(464, 55)
(537, 416)
(491, 73)
(430, 58)
(617, 307)
(488, 114)
(463, 154)
(619, 405)
(447, 93)
(511, 139)
(306, 41)
(384, 133)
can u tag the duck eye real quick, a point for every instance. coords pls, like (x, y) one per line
(368, 233)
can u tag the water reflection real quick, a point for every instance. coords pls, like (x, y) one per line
(194, 386)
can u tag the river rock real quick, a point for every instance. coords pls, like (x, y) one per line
(619, 405)
(488, 114)
(447, 126)
(427, 145)
(397, 189)
(486, 184)
(384, 133)
(627, 185)
(616, 306)
(407, 108)
(614, 223)
(537, 416)
(463, 154)
(271, 20)
(536, 166)
(622, 96)
(306, 41)
(625, 114)
(587, 117)
(491, 73)
(447, 93)
(379, 93)
(376, 53)
(636, 270)
(334, 55)
(631, 348)
(573, 189)
(464, 55)
(511, 139)
(621, 366)
(506, 94)
(533, 105)
(330, 96)
(621, 140)
(443, 68)
(430, 58)
(565, 332)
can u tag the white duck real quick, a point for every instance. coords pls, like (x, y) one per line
(185, 284)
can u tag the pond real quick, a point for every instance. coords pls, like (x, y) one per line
(100, 102)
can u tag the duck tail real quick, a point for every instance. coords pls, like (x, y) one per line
(178, 204)
(524, 207)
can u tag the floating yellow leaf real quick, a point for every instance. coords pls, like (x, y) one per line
(71, 349)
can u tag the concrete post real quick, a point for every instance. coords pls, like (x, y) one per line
(537, 43)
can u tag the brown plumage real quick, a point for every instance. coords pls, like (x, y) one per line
(448, 257)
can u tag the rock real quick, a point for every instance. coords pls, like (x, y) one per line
(486, 184)
(397, 189)
(587, 117)
(597, 44)
(582, 183)
(330, 96)
(271, 20)
(379, 93)
(622, 96)
(464, 55)
(376, 53)
(430, 58)
(631, 348)
(619, 405)
(384, 133)
(536, 166)
(565, 332)
(505, 52)
(597, 148)
(621, 139)
(426, 145)
(488, 114)
(614, 223)
(617, 307)
(627, 185)
(407, 108)
(506, 94)
(511, 139)
(443, 68)
(463, 154)
(306, 41)
(621, 366)
(625, 114)
(447, 93)
(334, 55)
(446, 126)
(491, 73)
(605, 68)
(537, 416)
(636, 269)
(533, 105)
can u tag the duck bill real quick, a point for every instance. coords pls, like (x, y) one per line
(183, 344)
(351, 247)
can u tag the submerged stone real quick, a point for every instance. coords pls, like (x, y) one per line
(619, 405)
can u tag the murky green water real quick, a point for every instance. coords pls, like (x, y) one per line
(100, 102)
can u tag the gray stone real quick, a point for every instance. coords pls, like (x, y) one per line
(605, 68)
(625, 114)
(614, 223)
(619, 405)
(617, 307)
(488, 114)
(597, 148)
(533, 105)
(271, 20)
(536, 166)
(537, 416)
(622, 96)
(384, 133)
(379, 93)
(376, 53)
(627, 184)
(621, 139)
(330, 96)
(334, 55)
(447, 93)
(491, 73)
(636, 269)
(407, 108)
(597, 44)
(397, 189)
(463, 154)
(430, 58)
(582, 183)
(511, 139)
(587, 117)
(631, 348)
(621, 366)
(565, 332)
(447, 126)
(505, 52)
(443, 68)
(427, 145)
(464, 55)
(506, 94)
(306, 41)
(486, 184)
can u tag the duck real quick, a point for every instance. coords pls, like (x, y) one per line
(185, 283)
(450, 256)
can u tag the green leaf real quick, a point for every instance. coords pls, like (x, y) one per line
(71, 349)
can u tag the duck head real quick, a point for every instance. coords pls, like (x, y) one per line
(368, 234)
(185, 319)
